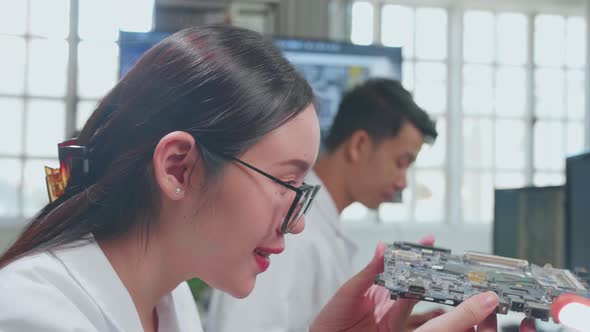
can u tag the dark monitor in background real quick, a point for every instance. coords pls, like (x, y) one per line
(529, 223)
(578, 210)
(331, 68)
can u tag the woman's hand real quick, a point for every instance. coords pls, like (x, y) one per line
(359, 305)
(416, 320)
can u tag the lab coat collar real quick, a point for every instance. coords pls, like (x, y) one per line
(326, 205)
(88, 265)
(324, 201)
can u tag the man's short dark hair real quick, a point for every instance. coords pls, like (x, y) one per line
(380, 107)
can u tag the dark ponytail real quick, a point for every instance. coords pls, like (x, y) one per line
(226, 86)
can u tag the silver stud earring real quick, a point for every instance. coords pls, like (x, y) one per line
(178, 191)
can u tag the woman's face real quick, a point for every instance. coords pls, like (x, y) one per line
(240, 223)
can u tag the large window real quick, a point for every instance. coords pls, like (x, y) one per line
(493, 107)
(55, 63)
(33, 72)
(509, 85)
(425, 74)
(559, 61)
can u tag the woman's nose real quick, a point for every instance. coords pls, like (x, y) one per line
(299, 226)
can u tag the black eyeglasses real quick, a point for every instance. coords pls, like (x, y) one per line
(304, 195)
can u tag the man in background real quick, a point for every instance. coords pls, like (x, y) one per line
(375, 137)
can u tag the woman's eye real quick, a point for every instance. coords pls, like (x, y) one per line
(285, 190)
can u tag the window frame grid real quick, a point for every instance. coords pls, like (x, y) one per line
(69, 99)
(454, 165)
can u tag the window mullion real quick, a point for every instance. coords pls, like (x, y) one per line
(21, 184)
(587, 80)
(530, 102)
(72, 71)
(377, 8)
(454, 161)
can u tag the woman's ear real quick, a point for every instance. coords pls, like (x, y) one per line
(175, 158)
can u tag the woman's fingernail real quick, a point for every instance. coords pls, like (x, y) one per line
(379, 245)
(489, 300)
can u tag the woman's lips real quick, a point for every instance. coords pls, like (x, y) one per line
(262, 256)
(263, 262)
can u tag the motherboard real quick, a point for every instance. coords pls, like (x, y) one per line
(435, 274)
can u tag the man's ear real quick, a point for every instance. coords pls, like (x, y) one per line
(175, 158)
(357, 146)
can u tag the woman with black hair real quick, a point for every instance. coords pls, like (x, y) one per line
(191, 166)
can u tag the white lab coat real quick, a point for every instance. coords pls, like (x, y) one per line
(77, 289)
(298, 283)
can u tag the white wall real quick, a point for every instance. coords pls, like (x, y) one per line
(367, 234)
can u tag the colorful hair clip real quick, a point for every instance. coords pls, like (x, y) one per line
(56, 184)
(73, 167)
